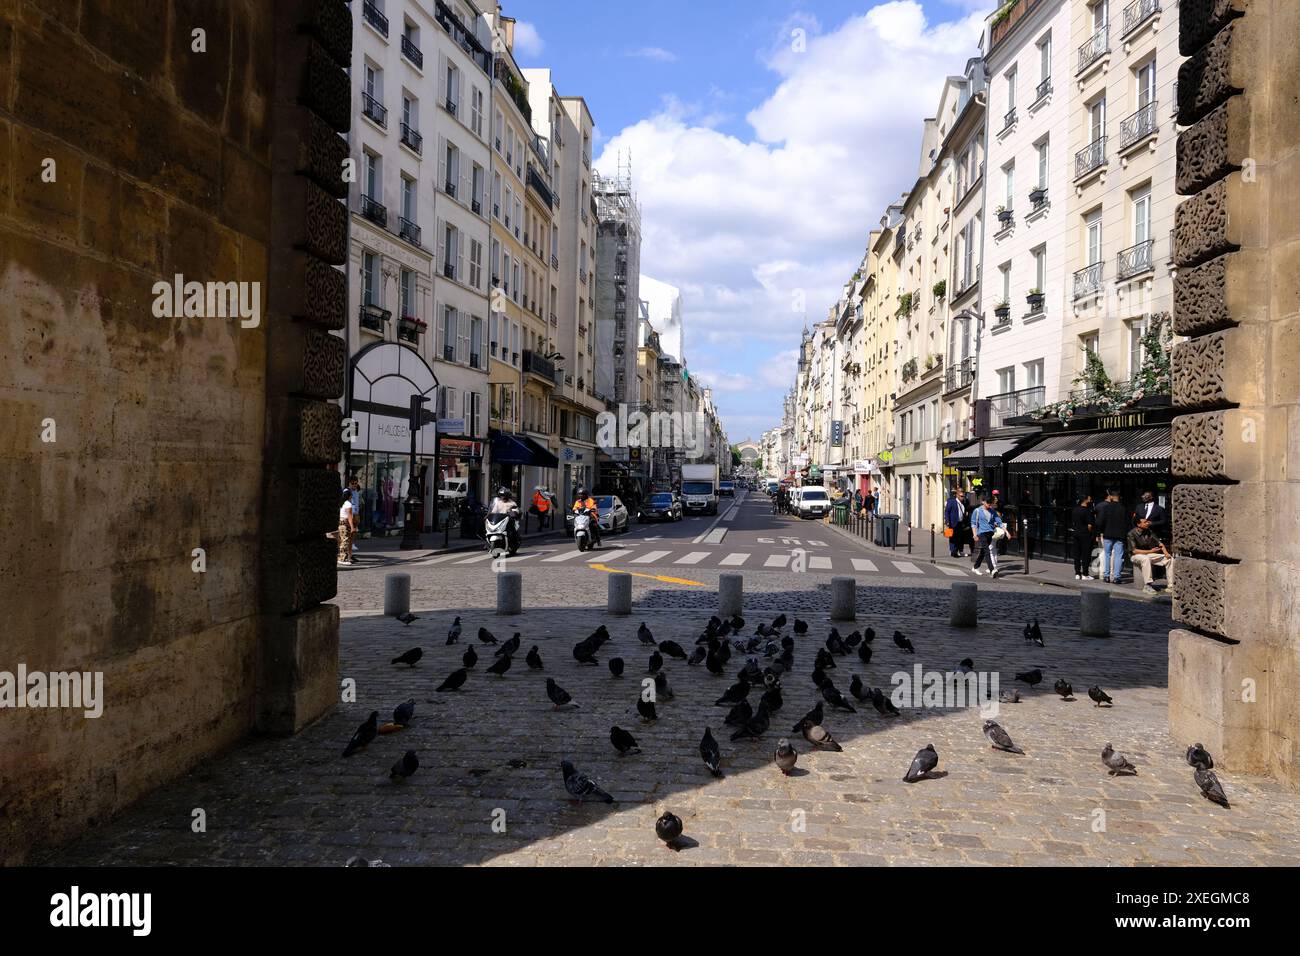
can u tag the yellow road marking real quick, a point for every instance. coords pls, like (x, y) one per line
(652, 577)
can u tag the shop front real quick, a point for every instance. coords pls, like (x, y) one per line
(577, 469)
(519, 463)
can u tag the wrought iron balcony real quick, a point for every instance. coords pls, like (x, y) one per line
(1010, 405)
(373, 317)
(374, 109)
(373, 210)
(1135, 259)
(1139, 12)
(1009, 120)
(1043, 88)
(536, 365)
(480, 54)
(412, 52)
(1094, 48)
(538, 185)
(408, 230)
(555, 262)
(410, 329)
(582, 275)
(412, 138)
(371, 14)
(959, 376)
(1090, 157)
(449, 188)
(1088, 279)
(1139, 126)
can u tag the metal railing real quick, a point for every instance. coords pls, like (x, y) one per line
(1094, 48)
(1135, 259)
(371, 14)
(1015, 404)
(1043, 88)
(374, 109)
(411, 138)
(959, 376)
(1137, 13)
(536, 365)
(373, 317)
(374, 210)
(1009, 120)
(408, 230)
(1139, 126)
(1088, 279)
(1090, 157)
(412, 52)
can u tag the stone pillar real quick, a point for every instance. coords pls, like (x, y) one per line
(397, 594)
(731, 595)
(964, 604)
(510, 592)
(620, 593)
(1094, 612)
(1233, 660)
(843, 599)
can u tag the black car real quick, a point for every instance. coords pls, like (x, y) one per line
(661, 506)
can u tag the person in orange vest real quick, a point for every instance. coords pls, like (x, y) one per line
(541, 507)
(585, 503)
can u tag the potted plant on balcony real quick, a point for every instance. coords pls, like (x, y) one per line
(1005, 215)
(411, 328)
(940, 289)
(1037, 195)
(1035, 299)
(1002, 311)
(1153, 383)
(909, 370)
(905, 303)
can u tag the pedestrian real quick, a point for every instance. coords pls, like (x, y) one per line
(347, 527)
(1113, 523)
(1158, 516)
(857, 501)
(354, 490)
(1083, 529)
(1147, 551)
(954, 513)
(541, 507)
(985, 523)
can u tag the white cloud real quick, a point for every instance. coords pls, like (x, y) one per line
(656, 53)
(528, 42)
(750, 229)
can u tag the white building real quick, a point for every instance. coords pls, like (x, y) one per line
(664, 310)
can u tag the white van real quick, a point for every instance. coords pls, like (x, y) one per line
(811, 501)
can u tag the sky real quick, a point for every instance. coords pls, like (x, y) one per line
(766, 138)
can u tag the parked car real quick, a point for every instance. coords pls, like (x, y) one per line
(661, 506)
(614, 516)
(812, 502)
(727, 487)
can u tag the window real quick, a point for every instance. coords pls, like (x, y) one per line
(1043, 152)
(1034, 374)
(1045, 59)
(473, 413)
(514, 280)
(1141, 201)
(408, 199)
(476, 111)
(497, 130)
(373, 83)
(372, 176)
(1100, 15)
(476, 263)
(496, 195)
(1004, 275)
(1040, 267)
(1009, 176)
(452, 83)
(1136, 329)
(451, 168)
(1007, 379)
(476, 342)
(1097, 120)
(1146, 84)
(369, 275)
(495, 262)
(476, 188)
(449, 322)
(1011, 94)
(1089, 344)
(407, 286)
(410, 113)
(451, 243)
(1092, 228)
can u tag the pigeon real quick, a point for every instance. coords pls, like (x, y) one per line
(733, 694)
(656, 662)
(1099, 696)
(365, 733)
(853, 640)
(453, 632)
(967, 666)
(903, 643)
(410, 658)
(762, 630)
(455, 681)
(469, 658)
(709, 752)
(404, 711)
(534, 659)
(584, 652)
(821, 738)
(668, 828)
(662, 690)
(751, 673)
(580, 786)
(773, 699)
(623, 742)
(785, 756)
(833, 697)
(724, 629)
(713, 663)
(1033, 678)
(407, 618)
(800, 627)
(405, 767)
(999, 738)
(884, 705)
(864, 652)
(857, 690)
(714, 623)
(824, 660)
(925, 760)
(869, 635)
(756, 725)
(835, 644)
(646, 708)
(737, 622)
(500, 666)
(486, 636)
(739, 715)
(673, 649)
(509, 647)
(1211, 789)
(820, 679)
(1034, 633)
(697, 655)
(778, 622)
(599, 636)
(1062, 687)
(1199, 757)
(643, 634)
(616, 666)
(558, 695)
(810, 719)
(1117, 763)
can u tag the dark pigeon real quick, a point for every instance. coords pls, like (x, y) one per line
(925, 760)
(646, 708)
(864, 652)
(405, 767)
(616, 666)
(1211, 789)
(709, 752)
(580, 786)
(534, 659)
(1198, 756)
(364, 735)
(469, 658)
(453, 632)
(739, 715)
(662, 690)
(733, 694)
(756, 725)
(410, 658)
(407, 618)
(800, 627)
(673, 650)
(455, 681)
(1099, 696)
(858, 691)
(884, 705)
(486, 636)
(644, 635)
(403, 712)
(1064, 688)
(557, 694)
(669, 828)
(623, 742)
(1033, 678)
(833, 697)
(509, 648)
(810, 719)
(656, 662)
(903, 643)
(500, 666)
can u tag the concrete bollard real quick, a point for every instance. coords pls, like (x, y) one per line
(620, 593)
(1094, 613)
(964, 605)
(731, 595)
(844, 599)
(397, 594)
(510, 592)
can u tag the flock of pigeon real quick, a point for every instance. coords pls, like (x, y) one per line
(714, 648)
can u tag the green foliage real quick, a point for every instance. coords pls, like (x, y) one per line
(940, 288)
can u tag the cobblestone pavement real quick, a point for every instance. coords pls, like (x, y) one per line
(491, 752)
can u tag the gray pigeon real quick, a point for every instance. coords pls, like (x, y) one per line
(999, 738)
(580, 786)
(558, 695)
(786, 756)
(821, 738)
(1198, 756)
(453, 632)
(410, 658)
(1211, 789)
(404, 711)
(405, 767)
(644, 635)
(710, 753)
(1099, 696)
(1117, 763)
(925, 760)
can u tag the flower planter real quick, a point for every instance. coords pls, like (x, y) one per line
(1002, 312)
(1037, 196)
(1005, 216)
(1035, 300)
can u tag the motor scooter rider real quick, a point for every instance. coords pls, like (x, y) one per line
(504, 504)
(585, 504)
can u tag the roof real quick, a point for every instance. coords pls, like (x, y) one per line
(994, 448)
(1135, 450)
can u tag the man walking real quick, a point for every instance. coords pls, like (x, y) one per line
(984, 523)
(1112, 522)
(953, 513)
(1082, 525)
(1148, 551)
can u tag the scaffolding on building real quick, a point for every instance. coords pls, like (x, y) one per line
(618, 220)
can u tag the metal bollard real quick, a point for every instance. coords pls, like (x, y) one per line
(909, 539)
(446, 533)
(620, 594)
(932, 544)
(731, 595)
(1024, 542)
(1094, 613)
(843, 599)
(510, 592)
(397, 594)
(964, 604)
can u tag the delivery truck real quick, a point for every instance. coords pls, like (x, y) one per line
(700, 489)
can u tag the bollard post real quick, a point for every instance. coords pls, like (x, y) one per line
(510, 592)
(963, 610)
(932, 544)
(446, 533)
(620, 594)
(909, 539)
(1024, 538)
(397, 594)
(843, 599)
(731, 595)
(1094, 613)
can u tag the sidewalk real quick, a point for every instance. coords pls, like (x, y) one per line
(380, 552)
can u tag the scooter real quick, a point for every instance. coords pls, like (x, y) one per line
(582, 531)
(498, 533)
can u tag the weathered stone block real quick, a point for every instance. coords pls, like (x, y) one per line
(1207, 78)
(1221, 368)
(303, 432)
(1214, 147)
(1200, 298)
(198, 247)
(50, 207)
(1226, 290)
(308, 218)
(1228, 444)
(1200, 20)
(1210, 688)
(245, 193)
(1223, 599)
(1201, 229)
(121, 219)
(201, 80)
(300, 667)
(129, 33)
(306, 288)
(329, 22)
(305, 360)
(1206, 520)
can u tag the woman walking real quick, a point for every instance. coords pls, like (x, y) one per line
(347, 528)
(984, 523)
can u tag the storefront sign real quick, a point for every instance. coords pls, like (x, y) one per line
(460, 448)
(385, 377)
(451, 426)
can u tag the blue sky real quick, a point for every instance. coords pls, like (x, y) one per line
(761, 163)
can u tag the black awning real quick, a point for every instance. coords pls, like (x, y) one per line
(994, 448)
(512, 450)
(542, 457)
(1137, 451)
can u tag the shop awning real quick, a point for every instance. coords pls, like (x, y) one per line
(994, 448)
(520, 450)
(1137, 450)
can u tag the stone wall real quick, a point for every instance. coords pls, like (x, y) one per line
(1233, 661)
(127, 156)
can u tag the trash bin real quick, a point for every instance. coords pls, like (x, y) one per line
(841, 517)
(886, 530)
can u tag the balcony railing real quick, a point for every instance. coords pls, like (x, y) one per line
(376, 19)
(1043, 88)
(374, 109)
(412, 52)
(555, 262)
(959, 376)
(536, 365)
(538, 185)
(411, 138)
(374, 318)
(408, 230)
(1009, 120)
(373, 210)
(1090, 157)
(1139, 126)
(1135, 259)
(480, 54)
(1088, 279)
(1015, 404)
(1138, 13)
(582, 275)
(1094, 48)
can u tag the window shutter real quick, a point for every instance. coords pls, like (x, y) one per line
(442, 246)
(462, 332)
(442, 79)
(442, 164)
(460, 256)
